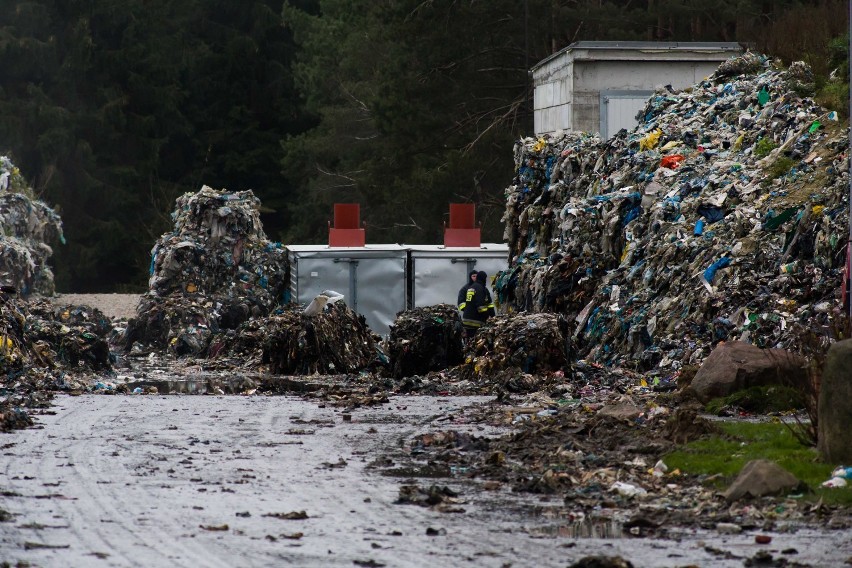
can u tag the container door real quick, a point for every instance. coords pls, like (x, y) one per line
(316, 273)
(619, 109)
(437, 279)
(380, 290)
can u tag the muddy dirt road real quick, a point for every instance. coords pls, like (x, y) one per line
(194, 481)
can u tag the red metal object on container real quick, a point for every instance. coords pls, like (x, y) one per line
(347, 230)
(462, 231)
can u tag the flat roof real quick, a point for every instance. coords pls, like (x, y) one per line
(314, 248)
(644, 45)
(499, 247)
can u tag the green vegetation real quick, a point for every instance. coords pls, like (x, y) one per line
(763, 147)
(760, 400)
(780, 167)
(745, 441)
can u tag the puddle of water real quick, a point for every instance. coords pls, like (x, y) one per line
(232, 385)
(580, 529)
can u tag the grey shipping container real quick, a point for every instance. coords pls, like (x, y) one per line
(437, 272)
(371, 278)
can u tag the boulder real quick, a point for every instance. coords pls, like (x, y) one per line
(835, 405)
(759, 478)
(735, 365)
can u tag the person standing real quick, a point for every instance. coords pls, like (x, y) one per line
(472, 298)
(487, 309)
(471, 278)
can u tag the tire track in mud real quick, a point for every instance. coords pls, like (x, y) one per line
(150, 471)
(100, 514)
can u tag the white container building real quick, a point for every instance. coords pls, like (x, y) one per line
(599, 86)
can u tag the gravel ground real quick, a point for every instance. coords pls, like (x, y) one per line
(113, 305)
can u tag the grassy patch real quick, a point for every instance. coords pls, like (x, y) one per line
(780, 167)
(745, 441)
(760, 400)
(763, 147)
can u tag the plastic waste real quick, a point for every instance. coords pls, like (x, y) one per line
(842, 471)
(627, 489)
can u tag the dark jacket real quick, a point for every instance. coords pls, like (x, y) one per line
(472, 309)
(487, 309)
(463, 291)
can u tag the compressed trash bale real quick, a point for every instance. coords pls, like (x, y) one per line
(528, 343)
(185, 323)
(218, 247)
(28, 227)
(38, 334)
(73, 337)
(334, 341)
(212, 272)
(425, 339)
(608, 234)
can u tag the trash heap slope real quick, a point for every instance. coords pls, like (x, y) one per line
(28, 226)
(213, 271)
(722, 216)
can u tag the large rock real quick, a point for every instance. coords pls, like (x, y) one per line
(736, 365)
(759, 478)
(835, 405)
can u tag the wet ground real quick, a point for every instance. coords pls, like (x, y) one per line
(183, 480)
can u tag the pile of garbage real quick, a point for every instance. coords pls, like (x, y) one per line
(45, 348)
(213, 271)
(291, 342)
(722, 216)
(425, 339)
(28, 227)
(513, 349)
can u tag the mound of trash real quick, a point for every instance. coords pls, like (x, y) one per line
(335, 340)
(46, 348)
(212, 272)
(28, 227)
(722, 216)
(520, 345)
(425, 339)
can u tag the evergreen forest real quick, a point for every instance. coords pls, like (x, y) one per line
(113, 109)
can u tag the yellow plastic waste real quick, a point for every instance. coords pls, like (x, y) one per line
(817, 210)
(539, 146)
(670, 145)
(650, 140)
(738, 144)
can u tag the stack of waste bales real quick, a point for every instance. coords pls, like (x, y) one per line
(213, 271)
(28, 227)
(722, 216)
(290, 342)
(425, 339)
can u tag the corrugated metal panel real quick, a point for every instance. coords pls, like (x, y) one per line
(552, 119)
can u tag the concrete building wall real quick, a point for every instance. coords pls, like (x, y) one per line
(571, 86)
